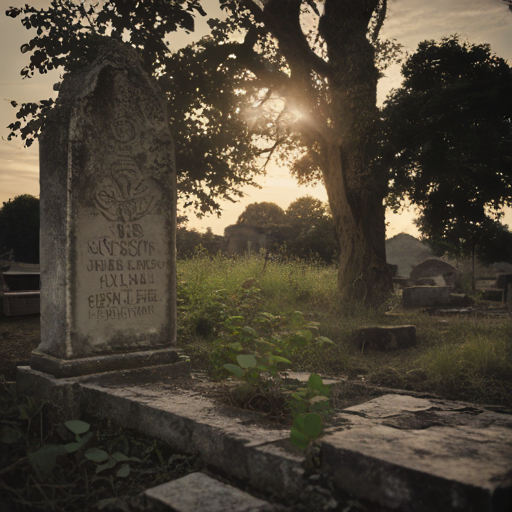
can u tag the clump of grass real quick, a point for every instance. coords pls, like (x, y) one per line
(285, 285)
(470, 359)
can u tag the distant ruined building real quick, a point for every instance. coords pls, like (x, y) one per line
(406, 251)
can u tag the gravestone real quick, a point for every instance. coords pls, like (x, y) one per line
(108, 214)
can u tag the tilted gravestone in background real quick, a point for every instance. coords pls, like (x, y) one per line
(108, 213)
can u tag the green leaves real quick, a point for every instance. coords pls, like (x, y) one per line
(305, 429)
(44, 460)
(234, 369)
(246, 361)
(77, 427)
(96, 455)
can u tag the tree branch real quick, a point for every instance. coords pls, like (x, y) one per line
(381, 16)
(282, 17)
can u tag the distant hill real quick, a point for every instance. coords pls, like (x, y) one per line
(406, 251)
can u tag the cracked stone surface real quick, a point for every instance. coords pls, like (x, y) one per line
(423, 454)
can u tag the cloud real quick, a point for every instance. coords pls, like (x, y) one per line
(411, 21)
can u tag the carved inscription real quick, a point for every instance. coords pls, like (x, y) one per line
(123, 193)
(124, 270)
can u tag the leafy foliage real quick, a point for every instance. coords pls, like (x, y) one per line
(260, 87)
(76, 465)
(19, 228)
(69, 37)
(305, 230)
(449, 143)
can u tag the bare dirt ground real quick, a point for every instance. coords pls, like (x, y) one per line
(19, 335)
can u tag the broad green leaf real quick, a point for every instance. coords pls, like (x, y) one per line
(73, 447)
(123, 471)
(77, 427)
(315, 382)
(80, 443)
(44, 460)
(246, 361)
(312, 425)
(121, 457)
(96, 455)
(298, 422)
(298, 438)
(108, 465)
(234, 369)
(322, 340)
(278, 359)
(298, 396)
(308, 335)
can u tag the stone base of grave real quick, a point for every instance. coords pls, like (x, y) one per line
(62, 368)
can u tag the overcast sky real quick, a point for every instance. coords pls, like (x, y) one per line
(409, 21)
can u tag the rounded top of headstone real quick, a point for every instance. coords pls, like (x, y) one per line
(109, 53)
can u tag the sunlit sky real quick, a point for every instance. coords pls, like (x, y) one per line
(409, 21)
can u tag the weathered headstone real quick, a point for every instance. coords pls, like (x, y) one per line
(108, 210)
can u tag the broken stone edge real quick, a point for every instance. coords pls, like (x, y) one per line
(190, 424)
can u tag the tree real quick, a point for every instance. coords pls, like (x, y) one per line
(449, 144)
(313, 92)
(305, 230)
(311, 230)
(262, 214)
(19, 228)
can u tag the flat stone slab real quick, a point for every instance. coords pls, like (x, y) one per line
(421, 455)
(237, 442)
(198, 492)
(425, 296)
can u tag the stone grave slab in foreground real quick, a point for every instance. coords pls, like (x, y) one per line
(198, 492)
(108, 213)
(422, 455)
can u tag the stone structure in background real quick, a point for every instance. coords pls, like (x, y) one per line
(108, 215)
(241, 239)
(406, 252)
(433, 268)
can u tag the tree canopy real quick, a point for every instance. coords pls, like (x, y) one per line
(449, 144)
(277, 78)
(19, 228)
(304, 230)
(262, 214)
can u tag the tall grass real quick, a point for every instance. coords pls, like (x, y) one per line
(470, 355)
(284, 283)
(459, 358)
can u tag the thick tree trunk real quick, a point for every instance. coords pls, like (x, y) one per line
(356, 189)
(358, 212)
